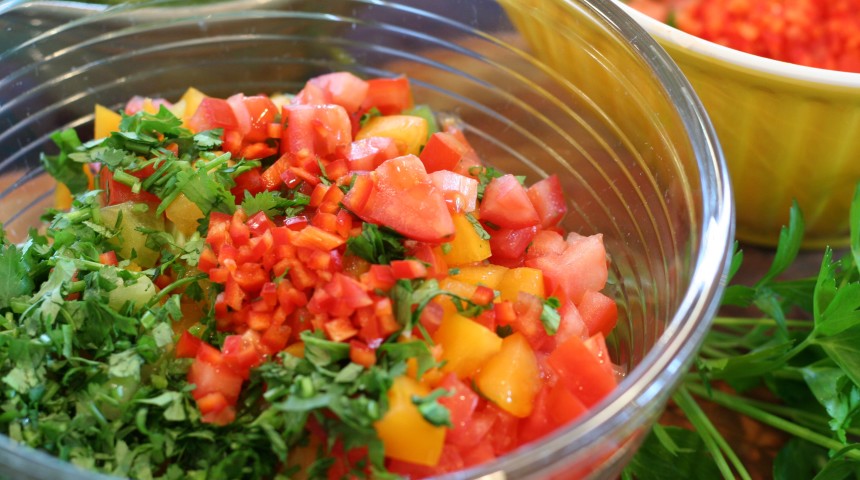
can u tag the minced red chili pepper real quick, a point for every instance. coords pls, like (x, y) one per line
(816, 33)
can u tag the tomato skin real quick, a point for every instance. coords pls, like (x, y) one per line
(404, 199)
(213, 113)
(584, 375)
(443, 152)
(187, 345)
(507, 204)
(314, 130)
(389, 95)
(261, 112)
(599, 312)
(368, 153)
(548, 199)
(506, 243)
(250, 181)
(580, 267)
(461, 402)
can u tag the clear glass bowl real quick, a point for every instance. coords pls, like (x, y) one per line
(568, 87)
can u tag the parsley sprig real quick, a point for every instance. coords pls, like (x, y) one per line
(810, 366)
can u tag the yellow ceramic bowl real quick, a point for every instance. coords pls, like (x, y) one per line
(787, 131)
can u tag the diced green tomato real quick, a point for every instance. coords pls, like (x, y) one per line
(139, 292)
(130, 243)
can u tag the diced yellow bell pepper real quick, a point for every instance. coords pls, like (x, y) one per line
(461, 289)
(408, 132)
(405, 434)
(511, 377)
(466, 345)
(487, 275)
(467, 246)
(192, 98)
(522, 279)
(184, 214)
(106, 121)
(296, 349)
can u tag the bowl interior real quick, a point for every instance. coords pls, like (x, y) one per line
(573, 88)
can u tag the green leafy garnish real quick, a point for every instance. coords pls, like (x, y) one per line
(549, 316)
(432, 411)
(810, 365)
(273, 204)
(377, 245)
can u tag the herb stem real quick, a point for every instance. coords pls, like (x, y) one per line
(749, 408)
(714, 441)
(769, 322)
(173, 286)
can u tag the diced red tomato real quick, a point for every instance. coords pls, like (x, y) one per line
(404, 199)
(506, 243)
(262, 112)
(389, 95)
(187, 345)
(507, 205)
(368, 153)
(250, 181)
(342, 88)
(460, 192)
(582, 266)
(213, 113)
(443, 152)
(314, 130)
(116, 192)
(598, 312)
(584, 375)
(548, 199)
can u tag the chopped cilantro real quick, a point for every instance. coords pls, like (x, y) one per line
(549, 316)
(479, 229)
(273, 204)
(377, 245)
(435, 413)
(372, 113)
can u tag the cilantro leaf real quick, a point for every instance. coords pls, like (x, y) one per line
(479, 229)
(63, 166)
(273, 204)
(14, 278)
(370, 114)
(549, 316)
(378, 246)
(435, 413)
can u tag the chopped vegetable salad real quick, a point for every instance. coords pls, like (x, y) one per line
(328, 284)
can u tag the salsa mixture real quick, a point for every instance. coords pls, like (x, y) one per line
(816, 33)
(329, 284)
